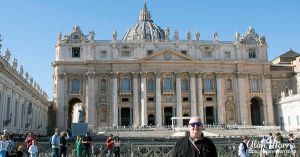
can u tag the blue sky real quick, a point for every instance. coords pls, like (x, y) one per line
(30, 27)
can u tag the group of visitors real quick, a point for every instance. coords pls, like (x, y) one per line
(83, 146)
(9, 147)
(113, 146)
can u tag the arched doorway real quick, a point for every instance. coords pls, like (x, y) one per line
(256, 111)
(73, 108)
(125, 116)
(168, 112)
(186, 121)
(151, 120)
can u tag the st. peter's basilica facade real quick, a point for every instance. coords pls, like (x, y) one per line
(148, 77)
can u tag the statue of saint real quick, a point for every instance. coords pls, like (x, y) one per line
(15, 64)
(59, 36)
(80, 114)
(197, 35)
(188, 35)
(176, 35)
(114, 35)
(21, 70)
(167, 34)
(7, 55)
(237, 37)
(216, 36)
(92, 35)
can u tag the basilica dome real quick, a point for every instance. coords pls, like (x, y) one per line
(145, 29)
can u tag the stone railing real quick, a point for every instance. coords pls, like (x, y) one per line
(152, 150)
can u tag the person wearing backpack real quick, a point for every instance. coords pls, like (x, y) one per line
(243, 149)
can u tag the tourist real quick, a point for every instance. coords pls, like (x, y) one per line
(194, 145)
(110, 145)
(19, 152)
(33, 150)
(63, 142)
(243, 149)
(87, 145)
(78, 146)
(11, 149)
(3, 145)
(292, 145)
(117, 146)
(263, 150)
(28, 142)
(55, 143)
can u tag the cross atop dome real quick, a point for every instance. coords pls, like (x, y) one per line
(145, 14)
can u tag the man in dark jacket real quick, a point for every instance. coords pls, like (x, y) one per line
(195, 145)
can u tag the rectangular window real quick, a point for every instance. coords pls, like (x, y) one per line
(150, 99)
(184, 52)
(103, 54)
(185, 99)
(227, 54)
(125, 54)
(252, 53)
(76, 52)
(125, 99)
(75, 86)
(149, 52)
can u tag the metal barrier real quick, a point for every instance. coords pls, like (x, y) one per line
(150, 150)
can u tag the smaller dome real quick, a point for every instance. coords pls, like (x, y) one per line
(145, 29)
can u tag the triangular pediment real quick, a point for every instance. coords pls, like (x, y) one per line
(167, 55)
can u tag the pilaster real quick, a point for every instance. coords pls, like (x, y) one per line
(200, 97)
(178, 99)
(60, 100)
(242, 98)
(269, 103)
(115, 99)
(158, 117)
(90, 100)
(193, 95)
(220, 103)
(144, 115)
(136, 117)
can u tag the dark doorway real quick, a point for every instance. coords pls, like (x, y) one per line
(151, 120)
(168, 112)
(186, 121)
(71, 104)
(256, 111)
(209, 115)
(125, 116)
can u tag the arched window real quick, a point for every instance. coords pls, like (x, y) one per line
(208, 85)
(75, 86)
(103, 86)
(125, 84)
(184, 85)
(168, 84)
(150, 85)
(254, 85)
(229, 85)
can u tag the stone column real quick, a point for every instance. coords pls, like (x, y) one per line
(60, 100)
(220, 103)
(242, 98)
(178, 99)
(158, 118)
(136, 117)
(90, 100)
(269, 118)
(115, 99)
(144, 115)
(193, 95)
(200, 97)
